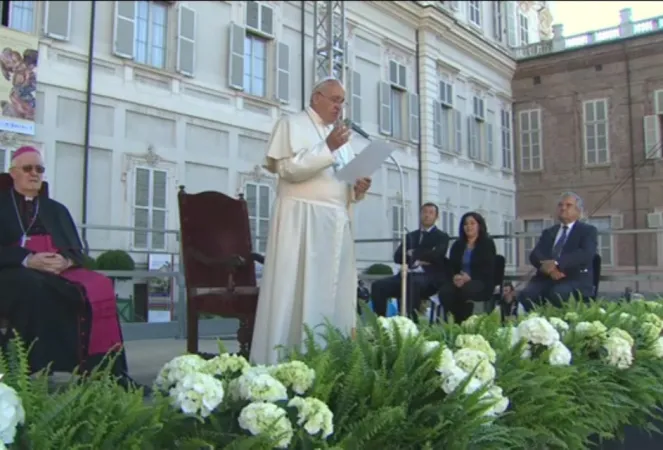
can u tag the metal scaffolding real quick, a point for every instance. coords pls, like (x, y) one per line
(329, 40)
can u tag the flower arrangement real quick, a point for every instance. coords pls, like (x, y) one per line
(555, 378)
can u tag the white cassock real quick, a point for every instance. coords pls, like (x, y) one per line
(309, 275)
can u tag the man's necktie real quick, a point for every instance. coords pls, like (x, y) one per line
(557, 248)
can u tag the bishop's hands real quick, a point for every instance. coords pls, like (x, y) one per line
(48, 262)
(550, 268)
(338, 137)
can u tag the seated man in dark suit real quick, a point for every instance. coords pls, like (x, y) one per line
(426, 250)
(563, 258)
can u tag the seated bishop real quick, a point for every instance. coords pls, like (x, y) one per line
(47, 296)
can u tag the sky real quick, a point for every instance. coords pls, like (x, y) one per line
(581, 17)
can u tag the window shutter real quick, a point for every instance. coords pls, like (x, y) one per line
(490, 145)
(57, 19)
(159, 205)
(282, 72)
(658, 102)
(511, 35)
(141, 206)
(123, 29)
(458, 125)
(355, 105)
(3, 156)
(471, 136)
(652, 132)
(236, 57)
(186, 40)
(384, 111)
(437, 124)
(413, 107)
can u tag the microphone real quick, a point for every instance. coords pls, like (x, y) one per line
(357, 129)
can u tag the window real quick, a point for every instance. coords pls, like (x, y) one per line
(529, 242)
(498, 27)
(258, 200)
(255, 65)
(443, 117)
(150, 208)
(398, 113)
(523, 28)
(5, 160)
(475, 12)
(459, 125)
(505, 123)
(653, 128)
(508, 242)
(596, 132)
(151, 29)
(448, 223)
(530, 140)
(22, 16)
(397, 218)
(605, 244)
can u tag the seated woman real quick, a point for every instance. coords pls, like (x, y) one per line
(472, 261)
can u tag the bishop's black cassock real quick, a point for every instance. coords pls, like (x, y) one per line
(71, 317)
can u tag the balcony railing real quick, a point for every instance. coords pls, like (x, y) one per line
(559, 42)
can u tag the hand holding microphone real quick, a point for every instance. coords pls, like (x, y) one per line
(338, 137)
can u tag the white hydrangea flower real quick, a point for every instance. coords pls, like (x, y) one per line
(571, 316)
(653, 319)
(12, 413)
(476, 342)
(591, 330)
(452, 377)
(296, 375)
(500, 403)
(225, 364)
(258, 370)
(469, 360)
(471, 322)
(527, 352)
(602, 311)
(402, 325)
(447, 361)
(657, 348)
(259, 387)
(622, 334)
(429, 347)
(472, 386)
(560, 355)
(261, 418)
(626, 317)
(560, 325)
(175, 369)
(197, 394)
(537, 330)
(650, 331)
(314, 415)
(619, 352)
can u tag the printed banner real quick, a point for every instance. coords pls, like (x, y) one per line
(18, 83)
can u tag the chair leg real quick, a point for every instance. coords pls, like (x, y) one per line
(191, 329)
(245, 336)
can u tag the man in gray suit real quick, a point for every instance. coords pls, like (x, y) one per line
(563, 257)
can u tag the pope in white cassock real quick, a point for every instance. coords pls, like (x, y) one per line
(309, 274)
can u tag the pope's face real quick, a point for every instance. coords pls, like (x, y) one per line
(328, 102)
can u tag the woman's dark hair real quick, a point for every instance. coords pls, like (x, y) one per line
(483, 230)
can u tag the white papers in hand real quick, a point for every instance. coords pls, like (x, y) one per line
(366, 163)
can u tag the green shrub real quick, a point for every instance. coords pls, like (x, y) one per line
(115, 260)
(379, 269)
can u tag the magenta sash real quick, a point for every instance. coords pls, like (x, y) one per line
(105, 333)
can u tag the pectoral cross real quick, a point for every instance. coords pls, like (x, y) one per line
(24, 240)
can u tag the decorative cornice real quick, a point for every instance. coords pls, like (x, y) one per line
(479, 83)
(448, 67)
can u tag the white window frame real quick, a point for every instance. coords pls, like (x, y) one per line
(531, 226)
(526, 136)
(506, 139)
(250, 39)
(474, 12)
(259, 243)
(523, 29)
(399, 114)
(16, 4)
(149, 42)
(150, 208)
(508, 243)
(448, 221)
(593, 123)
(605, 242)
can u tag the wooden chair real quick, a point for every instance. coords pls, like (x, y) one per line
(500, 268)
(218, 265)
